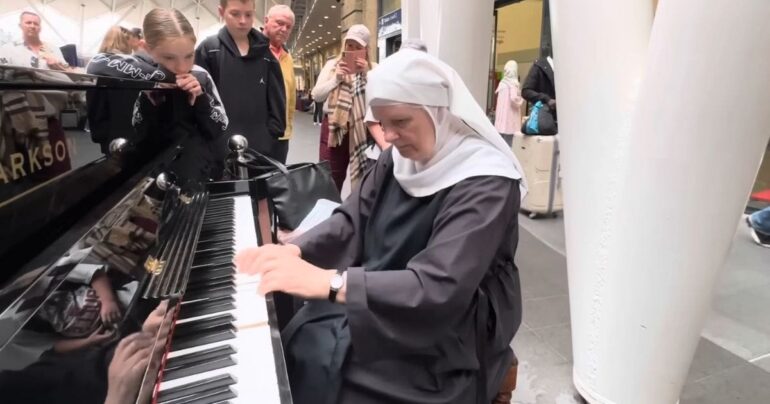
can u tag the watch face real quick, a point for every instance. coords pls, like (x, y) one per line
(336, 281)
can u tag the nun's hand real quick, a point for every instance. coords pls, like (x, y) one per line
(282, 269)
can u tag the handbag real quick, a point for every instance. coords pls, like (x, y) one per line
(540, 121)
(293, 190)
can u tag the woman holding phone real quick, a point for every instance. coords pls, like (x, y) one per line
(345, 135)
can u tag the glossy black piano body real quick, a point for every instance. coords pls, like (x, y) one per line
(74, 220)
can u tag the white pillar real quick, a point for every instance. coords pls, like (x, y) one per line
(458, 32)
(410, 19)
(658, 164)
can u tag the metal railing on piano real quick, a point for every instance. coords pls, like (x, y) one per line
(99, 252)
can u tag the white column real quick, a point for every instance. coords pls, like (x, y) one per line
(458, 32)
(410, 19)
(659, 155)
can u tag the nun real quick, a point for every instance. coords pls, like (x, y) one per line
(411, 291)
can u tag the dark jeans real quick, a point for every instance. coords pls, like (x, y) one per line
(338, 157)
(319, 112)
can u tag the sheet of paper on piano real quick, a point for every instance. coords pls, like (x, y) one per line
(322, 210)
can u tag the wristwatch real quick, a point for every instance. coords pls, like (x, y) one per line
(335, 284)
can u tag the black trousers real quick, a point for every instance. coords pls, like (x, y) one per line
(318, 115)
(280, 150)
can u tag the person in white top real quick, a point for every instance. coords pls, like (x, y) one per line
(344, 134)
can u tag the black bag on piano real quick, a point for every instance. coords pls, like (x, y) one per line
(294, 189)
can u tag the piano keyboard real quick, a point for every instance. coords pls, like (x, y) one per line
(221, 350)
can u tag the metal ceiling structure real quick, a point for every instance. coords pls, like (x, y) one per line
(317, 24)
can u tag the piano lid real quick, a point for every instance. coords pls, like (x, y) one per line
(27, 78)
(66, 141)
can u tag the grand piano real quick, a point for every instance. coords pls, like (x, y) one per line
(116, 284)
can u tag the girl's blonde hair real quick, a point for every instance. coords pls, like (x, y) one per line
(115, 41)
(165, 23)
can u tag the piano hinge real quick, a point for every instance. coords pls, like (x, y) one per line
(154, 265)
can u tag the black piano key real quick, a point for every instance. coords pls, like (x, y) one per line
(224, 220)
(221, 253)
(219, 212)
(215, 306)
(218, 217)
(207, 233)
(223, 333)
(212, 293)
(203, 274)
(215, 201)
(210, 283)
(210, 396)
(215, 246)
(201, 326)
(201, 356)
(184, 390)
(188, 303)
(218, 225)
(215, 266)
(200, 367)
(205, 240)
(212, 262)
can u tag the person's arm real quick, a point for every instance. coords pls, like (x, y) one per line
(97, 104)
(276, 100)
(110, 310)
(375, 129)
(55, 59)
(327, 81)
(515, 96)
(291, 98)
(99, 336)
(209, 111)
(405, 310)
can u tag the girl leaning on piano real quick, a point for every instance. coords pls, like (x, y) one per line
(194, 115)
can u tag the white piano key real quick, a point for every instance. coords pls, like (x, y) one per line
(255, 368)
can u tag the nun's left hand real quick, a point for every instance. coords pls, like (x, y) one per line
(282, 269)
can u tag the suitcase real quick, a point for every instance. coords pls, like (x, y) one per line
(539, 157)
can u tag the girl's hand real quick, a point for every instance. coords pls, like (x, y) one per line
(188, 82)
(362, 65)
(341, 70)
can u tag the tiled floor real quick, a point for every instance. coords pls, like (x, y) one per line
(731, 365)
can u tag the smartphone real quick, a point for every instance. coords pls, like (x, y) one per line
(350, 57)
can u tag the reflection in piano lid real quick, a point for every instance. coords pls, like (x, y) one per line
(82, 319)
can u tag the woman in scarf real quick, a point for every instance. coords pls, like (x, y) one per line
(508, 110)
(413, 295)
(340, 86)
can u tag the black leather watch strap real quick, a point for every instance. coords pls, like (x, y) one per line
(335, 288)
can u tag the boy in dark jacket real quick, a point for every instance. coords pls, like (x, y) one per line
(248, 77)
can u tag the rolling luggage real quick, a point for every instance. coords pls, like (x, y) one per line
(539, 157)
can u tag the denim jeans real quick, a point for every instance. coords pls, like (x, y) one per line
(760, 220)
